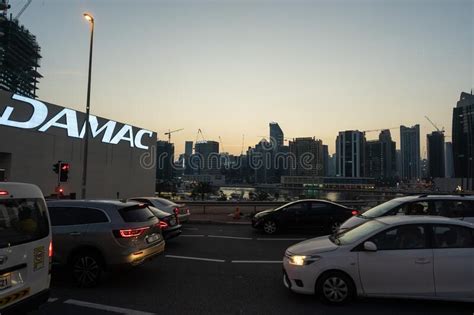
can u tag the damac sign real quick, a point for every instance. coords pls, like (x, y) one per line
(67, 119)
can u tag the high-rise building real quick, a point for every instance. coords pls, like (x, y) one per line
(332, 165)
(436, 154)
(448, 160)
(463, 136)
(188, 152)
(308, 153)
(276, 135)
(165, 160)
(19, 58)
(207, 152)
(350, 154)
(381, 157)
(373, 159)
(325, 160)
(410, 152)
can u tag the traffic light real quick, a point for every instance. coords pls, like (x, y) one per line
(64, 174)
(56, 167)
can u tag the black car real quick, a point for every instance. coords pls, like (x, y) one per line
(311, 215)
(169, 223)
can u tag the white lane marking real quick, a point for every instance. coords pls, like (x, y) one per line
(257, 261)
(192, 235)
(195, 258)
(230, 237)
(280, 239)
(52, 300)
(106, 307)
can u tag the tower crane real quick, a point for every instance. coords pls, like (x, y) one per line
(22, 9)
(433, 124)
(380, 129)
(170, 132)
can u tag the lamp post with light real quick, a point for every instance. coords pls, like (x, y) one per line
(89, 18)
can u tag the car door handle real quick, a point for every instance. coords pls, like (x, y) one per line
(75, 233)
(422, 261)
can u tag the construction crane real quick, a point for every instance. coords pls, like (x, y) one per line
(433, 124)
(199, 132)
(170, 132)
(23, 9)
(222, 144)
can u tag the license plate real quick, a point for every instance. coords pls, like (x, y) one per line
(152, 238)
(5, 281)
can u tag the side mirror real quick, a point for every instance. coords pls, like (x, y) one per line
(370, 246)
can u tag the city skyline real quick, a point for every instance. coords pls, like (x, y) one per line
(199, 70)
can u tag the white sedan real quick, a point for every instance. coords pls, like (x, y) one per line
(395, 256)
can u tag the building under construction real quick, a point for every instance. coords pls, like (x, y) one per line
(19, 56)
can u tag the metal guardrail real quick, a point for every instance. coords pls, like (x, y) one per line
(206, 207)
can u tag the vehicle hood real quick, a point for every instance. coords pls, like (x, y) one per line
(313, 246)
(263, 213)
(353, 221)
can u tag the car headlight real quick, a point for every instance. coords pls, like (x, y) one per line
(300, 260)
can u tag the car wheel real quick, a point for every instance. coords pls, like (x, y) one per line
(335, 288)
(270, 227)
(86, 269)
(334, 227)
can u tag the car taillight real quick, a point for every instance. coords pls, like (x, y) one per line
(176, 211)
(162, 225)
(50, 250)
(187, 211)
(127, 233)
(355, 212)
(3, 193)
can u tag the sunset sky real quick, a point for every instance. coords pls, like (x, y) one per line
(230, 67)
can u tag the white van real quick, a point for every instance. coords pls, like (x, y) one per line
(25, 248)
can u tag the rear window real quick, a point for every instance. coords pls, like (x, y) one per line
(139, 213)
(22, 221)
(165, 202)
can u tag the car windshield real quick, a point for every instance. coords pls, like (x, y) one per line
(22, 221)
(357, 233)
(381, 209)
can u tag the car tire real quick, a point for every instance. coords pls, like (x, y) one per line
(335, 288)
(86, 269)
(334, 227)
(270, 227)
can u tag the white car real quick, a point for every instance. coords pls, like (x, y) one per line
(451, 206)
(25, 248)
(424, 257)
(167, 206)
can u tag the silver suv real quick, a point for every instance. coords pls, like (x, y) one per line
(451, 206)
(93, 236)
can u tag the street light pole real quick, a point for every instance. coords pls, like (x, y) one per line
(89, 18)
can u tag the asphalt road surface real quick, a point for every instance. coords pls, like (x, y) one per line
(216, 269)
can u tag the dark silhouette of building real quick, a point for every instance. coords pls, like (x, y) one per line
(463, 136)
(207, 152)
(325, 160)
(436, 154)
(350, 154)
(448, 160)
(381, 157)
(165, 160)
(19, 58)
(308, 154)
(276, 135)
(188, 152)
(410, 152)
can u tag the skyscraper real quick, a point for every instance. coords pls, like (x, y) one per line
(276, 135)
(165, 160)
(435, 150)
(381, 157)
(188, 152)
(448, 160)
(350, 154)
(463, 136)
(325, 160)
(410, 152)
(208, 154)
(309, 157)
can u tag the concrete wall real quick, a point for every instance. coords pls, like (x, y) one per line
(28, 155)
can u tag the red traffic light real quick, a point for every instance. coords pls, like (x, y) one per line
(65, 166)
